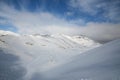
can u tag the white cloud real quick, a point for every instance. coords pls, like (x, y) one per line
(69, 13)
(44, 22)
(28, 22)
(84, 5)
(101, 31)
(110, 9)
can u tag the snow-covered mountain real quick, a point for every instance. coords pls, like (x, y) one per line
(57, 57)
(43, 52)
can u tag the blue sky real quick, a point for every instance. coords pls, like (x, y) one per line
(88, 10)
(62, 16)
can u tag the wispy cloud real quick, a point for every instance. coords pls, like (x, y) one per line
(107, 8)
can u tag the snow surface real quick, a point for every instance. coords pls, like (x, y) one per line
(57, 57)
(102, 63)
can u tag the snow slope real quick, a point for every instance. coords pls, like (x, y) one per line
(57, 57)
(102, 63)
(29, 54)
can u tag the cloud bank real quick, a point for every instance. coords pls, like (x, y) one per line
(28, 22)
(47, 23)
(102, 32)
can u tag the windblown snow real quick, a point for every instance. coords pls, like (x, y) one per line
(55, 57)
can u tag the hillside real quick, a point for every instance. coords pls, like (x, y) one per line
(102, 63)
(39, 53)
